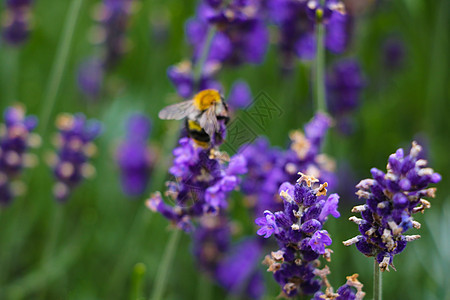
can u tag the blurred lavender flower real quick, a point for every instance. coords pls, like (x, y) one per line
(203, 182)
(241, 37)
(16, 26)
(112, 17)
(182, 77)
(298, 229)
(297, 21)
(269, 167)
(90, 77)
(74, 148)
(15, 138)
(211, 241)
(238, 272)
(394, 52)
(391, 200)
(344, 83)
(240, 95)
(134, 156)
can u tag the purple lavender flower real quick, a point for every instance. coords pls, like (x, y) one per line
(238, 272)
(182, 77)
(15, 138)
(112, 17)
(74, 148)
(319, 241)
(269, 167)
(297, 20)
(298, 231)
(391, 200)
(241, 36)
(134, 156)
(203, 182)
(344, 84)
(16, 26)
(240, 95)
(211, 242)
(394, 52)
(90, 77)
(268, 224)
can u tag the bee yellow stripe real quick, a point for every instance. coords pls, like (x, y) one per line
(204, 99)
(192, 125)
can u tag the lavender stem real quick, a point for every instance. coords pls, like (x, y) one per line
(163, 270)
(320, 67)
(204, 56)
(59, 64)
(377, 281)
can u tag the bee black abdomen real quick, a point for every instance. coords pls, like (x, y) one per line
(196, 132)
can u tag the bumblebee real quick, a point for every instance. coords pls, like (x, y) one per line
(204, 115)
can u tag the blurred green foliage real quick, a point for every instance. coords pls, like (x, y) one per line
(89, 247)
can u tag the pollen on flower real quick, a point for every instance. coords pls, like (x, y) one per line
(309, 179)
(300, 144)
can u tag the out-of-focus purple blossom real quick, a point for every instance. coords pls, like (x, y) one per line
(299, 235)
(211, 242)
(182, 77)
(15, 139)
(297, 22)
(241, 33)
(344, 84)
(238, 272)
(391, 200)
(240, 95)
(90, 77)
(112, 18)
(134, 156)
(203, 182)
(269, 167)
(74, 148)
(16, 25)
(394, 52)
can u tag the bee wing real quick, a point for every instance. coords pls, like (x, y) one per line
(177, 111)
(208, 121)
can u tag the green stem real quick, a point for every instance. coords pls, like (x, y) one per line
(59, 64)
(320, 68)
(204, 288)
(164, 267)
(11, 65)
(198, 70)
(377, 282)
(53, 232)
(137, 281)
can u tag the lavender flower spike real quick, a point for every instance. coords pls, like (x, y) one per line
(134, 156)
(75, 147)
(16, 24)
(203, 178)
(391, 200)
(15, 138)
(299, 232)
